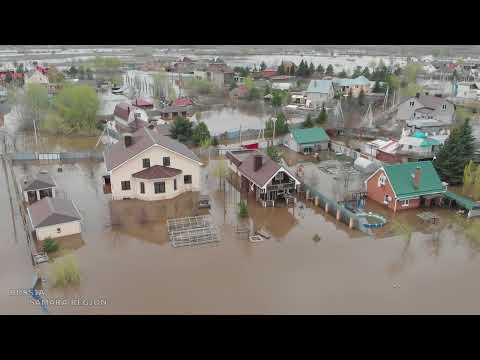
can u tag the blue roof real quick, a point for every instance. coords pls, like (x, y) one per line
(320, 86)
(361, 80)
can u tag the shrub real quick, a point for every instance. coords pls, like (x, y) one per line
(65, 272)
(50, 245)
(242, 209)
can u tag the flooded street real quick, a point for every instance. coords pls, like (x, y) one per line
(125, 259)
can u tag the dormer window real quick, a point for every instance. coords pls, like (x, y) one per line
(444, 106)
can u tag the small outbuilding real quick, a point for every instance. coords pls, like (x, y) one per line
(307, 140)
(37, 187)
(364, 165)
(54, 218)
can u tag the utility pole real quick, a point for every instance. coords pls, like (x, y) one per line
(273, 137)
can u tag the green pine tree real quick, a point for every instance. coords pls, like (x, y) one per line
(329, 71)
(308, 123)
(322, 116)
(320, 69)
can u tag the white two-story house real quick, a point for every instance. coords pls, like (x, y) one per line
(148, 165)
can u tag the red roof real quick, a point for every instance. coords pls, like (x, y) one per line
(157, 172)
(182, 102)
(269, 72)
(143, 103)
(122, 110)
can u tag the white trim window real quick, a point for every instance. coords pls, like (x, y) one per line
(444, 106)
(382, 179)
(404, 203)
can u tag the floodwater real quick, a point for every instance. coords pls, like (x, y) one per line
(127, 265)
(16, 270)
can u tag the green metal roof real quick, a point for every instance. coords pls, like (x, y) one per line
(463, 201)
(401, 179)
(429, 142)
(309, 136)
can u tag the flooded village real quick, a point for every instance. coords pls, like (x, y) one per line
(309, 182)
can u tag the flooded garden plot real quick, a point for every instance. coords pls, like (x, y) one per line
(311, 263)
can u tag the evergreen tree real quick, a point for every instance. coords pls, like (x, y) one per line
(311, 69)
(455, 154)
(342, 74)
(281, 69)
(377, 88)
(181, 129)
(272, 152)
(308, 123)
(322, 116)
(329, 71)
(468, 176)
(357, 72)
(366, 72)
(320, 69)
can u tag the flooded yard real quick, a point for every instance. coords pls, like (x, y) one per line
(126, 259)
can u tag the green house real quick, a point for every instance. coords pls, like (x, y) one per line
(308, 140)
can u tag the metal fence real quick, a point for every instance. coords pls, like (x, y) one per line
(333, 206)
(27, 156)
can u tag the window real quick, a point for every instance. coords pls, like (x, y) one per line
(59, 230)
(166, 161)
(142, 188)
(279, 176)
(174, 184)
(146, 163)
(187, 179)
(410, 146)
(386, 199)
(125, 185)
(444, 106)
(412, 103)
(159, 187)
(404, 203)
(381, 180)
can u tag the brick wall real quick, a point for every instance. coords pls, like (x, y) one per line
(378, 193)
(386, 157)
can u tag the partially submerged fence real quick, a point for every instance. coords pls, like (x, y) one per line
(52, 156)
(333, 208)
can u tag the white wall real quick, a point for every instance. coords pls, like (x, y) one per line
(70, 228)
(156, 155)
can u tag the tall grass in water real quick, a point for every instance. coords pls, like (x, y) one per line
(65, 271)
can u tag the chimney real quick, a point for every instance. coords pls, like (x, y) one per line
(257, 164)
(417, 95)
(127, 140)
(416, 177)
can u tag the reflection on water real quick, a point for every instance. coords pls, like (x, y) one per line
(230, 119)
(125, 257)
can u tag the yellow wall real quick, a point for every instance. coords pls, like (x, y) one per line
(66, 229)
(156, 155)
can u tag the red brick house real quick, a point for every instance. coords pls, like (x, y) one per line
(406, 186)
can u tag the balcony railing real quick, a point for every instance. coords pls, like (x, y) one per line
(281, 186)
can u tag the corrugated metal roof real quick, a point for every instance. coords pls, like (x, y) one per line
(310, 136)
(400, 176)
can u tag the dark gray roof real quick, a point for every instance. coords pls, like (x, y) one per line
(37, 182)
(52, 211)
(144, 138)
(432, 102)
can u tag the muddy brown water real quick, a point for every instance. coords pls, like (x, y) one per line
(126, 259)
